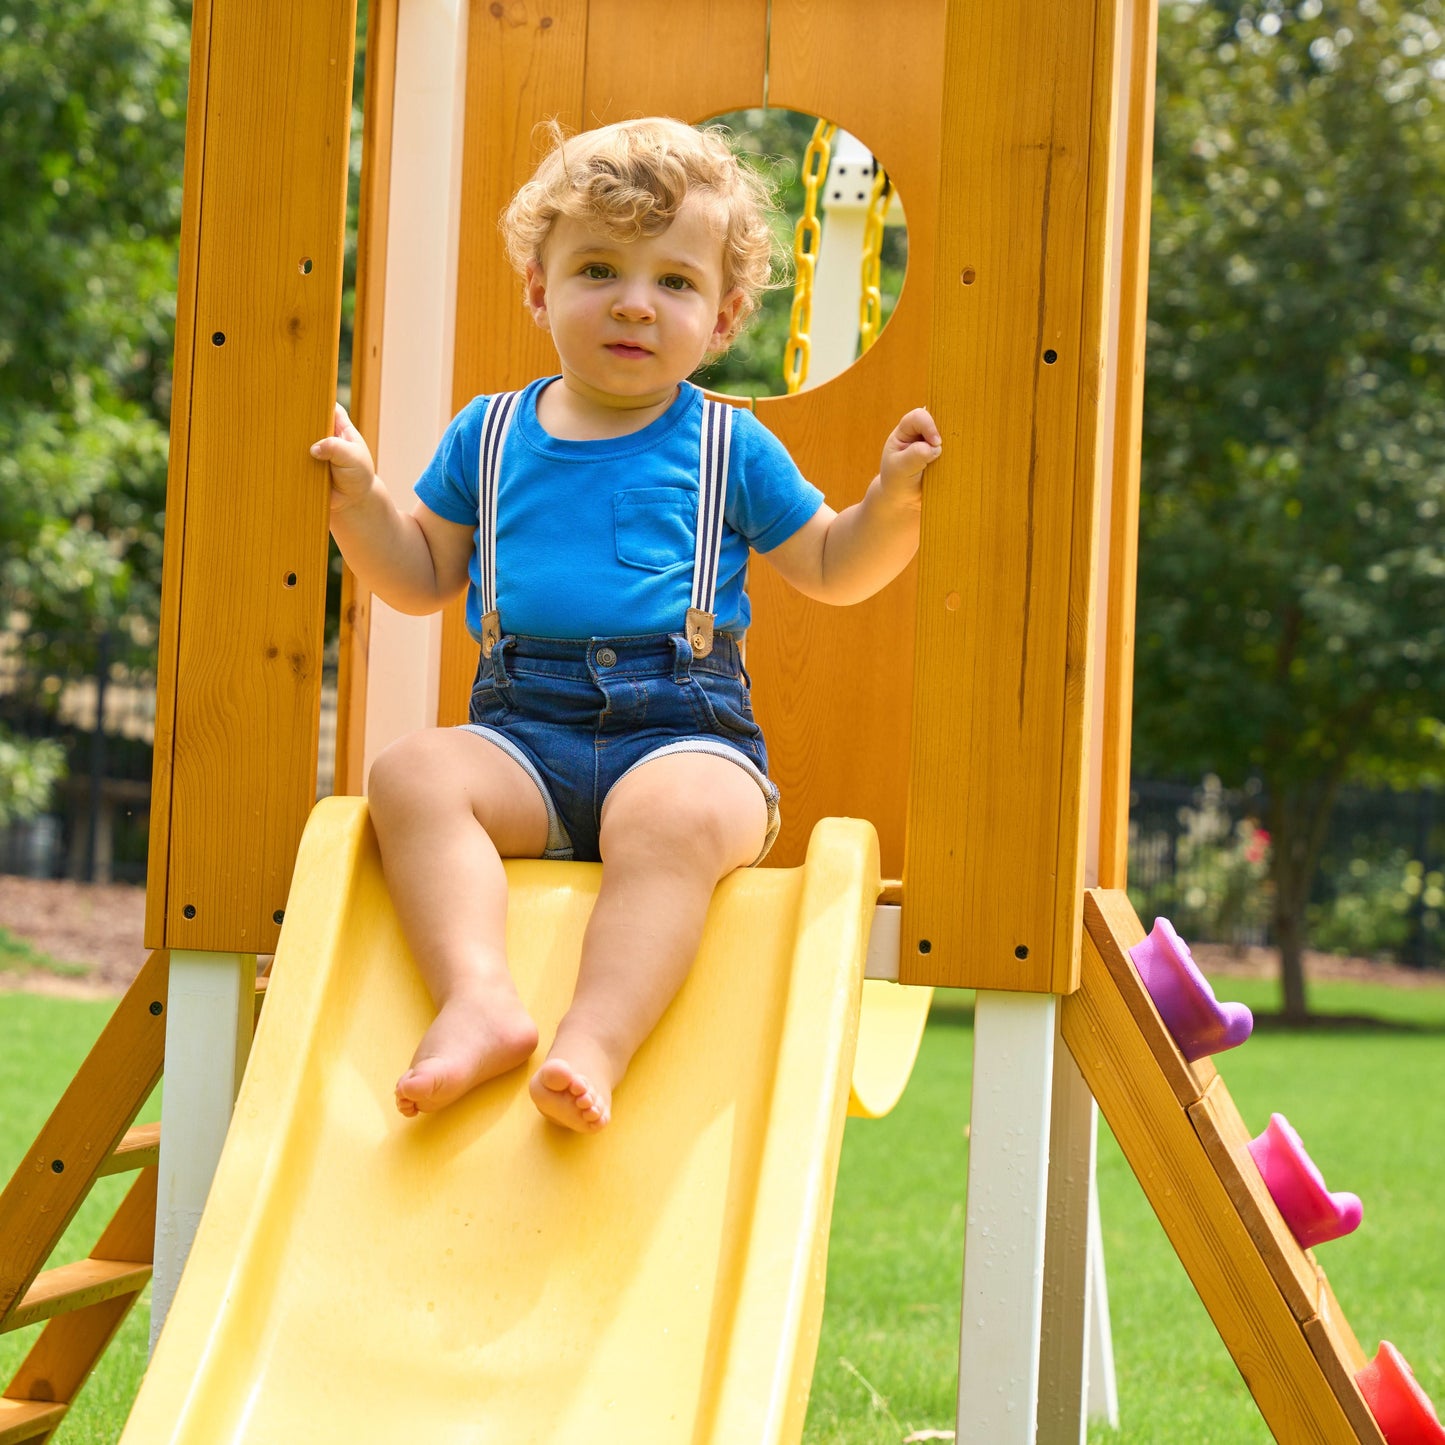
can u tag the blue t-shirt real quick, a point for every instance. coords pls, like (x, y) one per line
(596, 538)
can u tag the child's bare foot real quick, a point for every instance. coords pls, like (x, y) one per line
(474, 1037)
(575, 1091)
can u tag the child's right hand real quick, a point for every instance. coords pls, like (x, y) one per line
(352, 469)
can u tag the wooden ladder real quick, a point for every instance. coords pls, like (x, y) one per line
(1188, 1146)
(88, 1136)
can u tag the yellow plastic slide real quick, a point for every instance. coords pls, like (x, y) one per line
(481, 1275)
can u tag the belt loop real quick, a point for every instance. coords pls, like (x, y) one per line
(681, 657)
(496, 658)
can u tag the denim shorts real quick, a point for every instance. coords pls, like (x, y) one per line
(579, 716)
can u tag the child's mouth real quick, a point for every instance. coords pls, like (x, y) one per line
(626, 349)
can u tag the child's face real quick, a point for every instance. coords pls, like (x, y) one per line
(631, 319)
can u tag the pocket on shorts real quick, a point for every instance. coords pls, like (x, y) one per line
(726, 704)
(655, 528)
(488, 702)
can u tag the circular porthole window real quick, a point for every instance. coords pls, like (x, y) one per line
(842, 255)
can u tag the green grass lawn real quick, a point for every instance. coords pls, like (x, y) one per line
(1369, 1101)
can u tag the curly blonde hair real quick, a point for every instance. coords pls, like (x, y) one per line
(630, 179)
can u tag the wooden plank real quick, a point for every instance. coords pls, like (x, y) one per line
(993, 867)
(1332, 1352)
(68, 1348)
(83, 1130)
(1226, 1137)
(182, 367)
(525, 64)
(1333, 1319)
(371, 237)
(74, 1286)
(22, 1420)
(625, 79)
(239, 779)
(1111, 922)
(1254, 1321)
(1127, 373)
(138, 1149)
(836, 747)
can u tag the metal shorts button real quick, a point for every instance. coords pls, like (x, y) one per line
(606, 657)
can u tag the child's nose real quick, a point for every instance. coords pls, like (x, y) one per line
(633, 303)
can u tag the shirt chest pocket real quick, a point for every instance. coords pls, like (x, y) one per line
(655, 528)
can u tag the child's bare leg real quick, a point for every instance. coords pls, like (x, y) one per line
(448, 806)
(670, 831)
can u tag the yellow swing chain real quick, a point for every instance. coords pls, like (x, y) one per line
(806, 237)
(870, 304)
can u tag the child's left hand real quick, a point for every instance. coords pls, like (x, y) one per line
(913, 443)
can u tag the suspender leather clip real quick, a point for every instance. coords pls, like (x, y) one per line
(699, 631)
(491, 632)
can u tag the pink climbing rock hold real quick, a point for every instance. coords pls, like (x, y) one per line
(1199, 1023)
(1401, 1408)
(1298, 1188)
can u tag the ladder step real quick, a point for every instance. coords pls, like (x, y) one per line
(139, 1149)
(28, 1419)
(75, 1286)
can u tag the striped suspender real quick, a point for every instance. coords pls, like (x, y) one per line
(494, 433)
(712, 483)
(712, 488)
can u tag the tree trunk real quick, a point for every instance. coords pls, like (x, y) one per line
(1299, 818)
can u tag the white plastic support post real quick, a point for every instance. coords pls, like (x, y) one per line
(210, 1014)
(1003, 1260)
(1065, 1365)
(424, 224)
(1103, 1387)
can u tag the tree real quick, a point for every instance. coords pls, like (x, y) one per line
(1291, 582)
(92, 128)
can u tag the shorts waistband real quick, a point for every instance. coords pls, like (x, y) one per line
(669, 652)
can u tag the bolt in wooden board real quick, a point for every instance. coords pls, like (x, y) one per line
(245, 580)
(1299, 1399)
(993, 870)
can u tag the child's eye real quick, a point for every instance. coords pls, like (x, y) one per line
(597, 271)
(676, 283)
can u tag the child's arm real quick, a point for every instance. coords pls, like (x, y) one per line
(843, 557)
(413, 562)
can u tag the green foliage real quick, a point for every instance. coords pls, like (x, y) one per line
(1371, 913)
(1292, 589)
(1219, 885)
(92, 123)
(29, 768)
(1291, 582)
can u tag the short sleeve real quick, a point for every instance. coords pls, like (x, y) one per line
(449, 484)
(769, 499)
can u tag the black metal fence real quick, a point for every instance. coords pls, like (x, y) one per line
(1199, 856)
(96, 827)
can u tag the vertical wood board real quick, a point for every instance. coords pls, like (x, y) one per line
(996, 778)
(267, 294)
(371, 238)
(525, 64)
(833, 685)
(1128, 374)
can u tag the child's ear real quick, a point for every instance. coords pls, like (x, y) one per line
(534, 288)
(730, 314)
